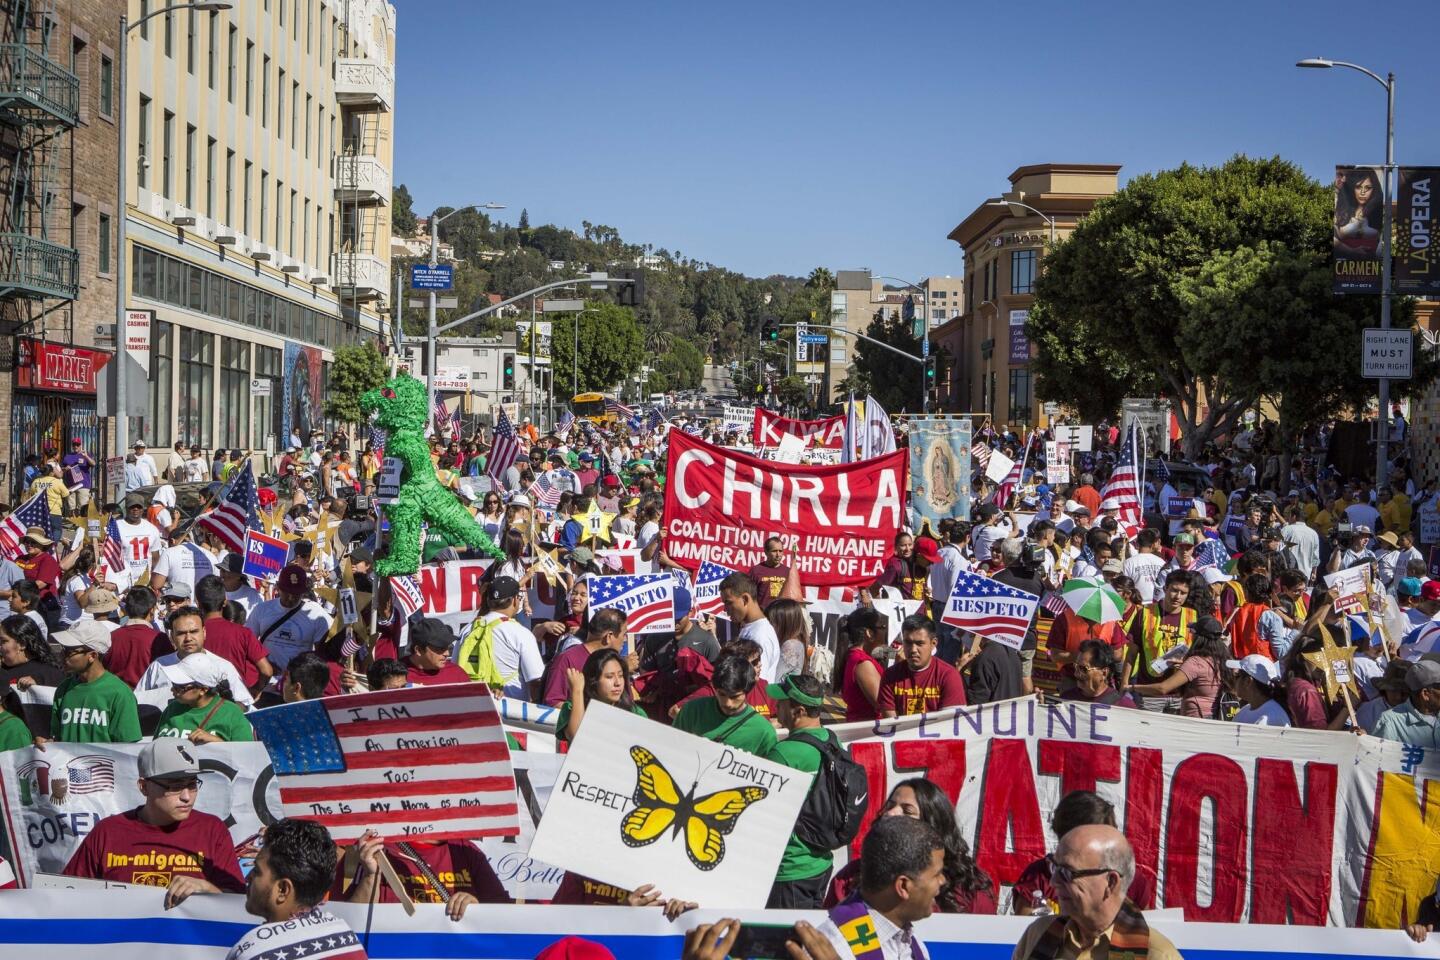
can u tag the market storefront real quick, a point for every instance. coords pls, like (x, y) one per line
(54, 402)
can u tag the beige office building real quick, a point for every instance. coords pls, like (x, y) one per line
(259, 150)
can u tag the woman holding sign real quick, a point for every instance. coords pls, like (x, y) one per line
(606, 678)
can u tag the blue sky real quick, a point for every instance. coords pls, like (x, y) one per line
(775, 137)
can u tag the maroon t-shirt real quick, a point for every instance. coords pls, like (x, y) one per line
(460, 866)
(132, 647)
(446, 674)
(125, 849)
(771, 582)
(575, 889)
(557, 688)
(937, 686)
(41, 568)
(235, 643)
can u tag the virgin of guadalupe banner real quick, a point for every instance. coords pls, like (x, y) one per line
(768, 427)
(638, 802)
(939, 470)
(841, 520)
(1359, 217)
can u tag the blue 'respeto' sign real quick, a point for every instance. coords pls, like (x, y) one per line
(425, 277)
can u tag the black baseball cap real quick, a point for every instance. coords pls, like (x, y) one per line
(432, 633)
(986, 511)
(233, 563)
(502, 590)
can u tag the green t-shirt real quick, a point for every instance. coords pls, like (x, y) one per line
(746, 731)
(801, 860)
(228, 723)
(14, 734)
(563, 720)
(101, 711)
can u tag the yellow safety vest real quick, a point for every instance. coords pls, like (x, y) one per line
(1159, 638)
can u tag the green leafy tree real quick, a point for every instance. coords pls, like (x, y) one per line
(524, 218)
(895, 381)
(793, 391)
(1209, 286)
(683, 367)
(355, 370)
(611, 348)
(402, 212)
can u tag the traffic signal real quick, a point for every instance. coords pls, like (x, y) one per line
(770, 332)
(632, 294)
(507, 380)
(930, 371)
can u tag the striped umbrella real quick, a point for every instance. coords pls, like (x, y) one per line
(1094, 600)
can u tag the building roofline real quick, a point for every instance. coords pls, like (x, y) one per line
(1034, 168)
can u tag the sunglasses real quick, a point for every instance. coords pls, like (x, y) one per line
(1063, 874)
(184, 687)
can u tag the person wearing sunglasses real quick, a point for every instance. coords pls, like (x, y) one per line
(1091, 871)
(1035, 890)
(164, 842)
(202, 709)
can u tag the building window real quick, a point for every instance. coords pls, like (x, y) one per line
(837, 354)
(249, 76)
(304, 235)
(232, 62)
(107, 86)
(264, 91)
(144, 19)
(267, 409)
(214, 44)
(1022, 271)
(245, 201)
(197, 387)
(103, 247)
(230, 188)
(167, 168)
(308, 101)
(309, 24)
(294, 110)
(156, 424)
(190, 44)
(234, 392)
(210, 177)
(279, 211)
(290, 243)
(321, 133)
(280, 108)
(142, 169)
(80, 66)
(264, 192)
(189, 167)
(169, 33)
(1019, 395)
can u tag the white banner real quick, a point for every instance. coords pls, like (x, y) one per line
(999, 467)
(639, 802)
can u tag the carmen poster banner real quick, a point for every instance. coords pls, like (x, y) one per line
(940, 469)
(1359, 218)
(768, 427)
(638, 802)
(721, 505)
(130, 925)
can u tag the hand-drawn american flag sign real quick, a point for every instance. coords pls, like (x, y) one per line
(426, 763)
(647, 599)
(990, 608)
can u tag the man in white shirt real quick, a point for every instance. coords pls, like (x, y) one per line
(186, 627)
(145, 464)
(1145, 565)
(289, 624)
(992, 526)
(738, 594)
(895, 898)
(140, 545)
(1361, 514)
(237, 585)
(197, 469)
(1302, 542)
(515, 653)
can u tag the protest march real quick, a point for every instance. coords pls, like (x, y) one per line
(692, 685)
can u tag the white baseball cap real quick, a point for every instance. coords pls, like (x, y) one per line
(1258, 668)
(1214, 575)
(200, 667)
(88, 634)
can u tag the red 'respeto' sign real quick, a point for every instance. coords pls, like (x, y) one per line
(769, 427)
(721, 505)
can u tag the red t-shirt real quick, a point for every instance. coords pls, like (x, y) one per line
(461, 866)
(446, 674)
(125, 849)
(857, 707)
(770, 581)
(41, 567)
(235, 643)
(937, 686)
(1034, 885)
(575, 889)
(557, 686)
(132, 647)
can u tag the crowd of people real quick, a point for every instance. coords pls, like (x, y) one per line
(1221, 612)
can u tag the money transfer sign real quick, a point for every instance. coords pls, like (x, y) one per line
(638, 802)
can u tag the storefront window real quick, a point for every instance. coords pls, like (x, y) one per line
(1020, 395)
(196, 408)
(155, 427)
(234, 392)
(267, 409)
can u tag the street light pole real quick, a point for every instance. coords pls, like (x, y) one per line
(432, 331)
(121, 366)
(1382, 435)
(925, 327)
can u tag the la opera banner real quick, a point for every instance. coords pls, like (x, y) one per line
(769, 427)
(841, 519)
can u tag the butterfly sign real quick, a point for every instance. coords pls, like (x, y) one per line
(639, 802)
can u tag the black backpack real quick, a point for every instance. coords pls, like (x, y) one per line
(830, 817)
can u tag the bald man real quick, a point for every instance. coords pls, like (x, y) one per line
(1093, 867)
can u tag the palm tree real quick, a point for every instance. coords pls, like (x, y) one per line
(658, 340)
(820, 279)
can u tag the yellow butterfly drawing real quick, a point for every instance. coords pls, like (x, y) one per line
(660, 807)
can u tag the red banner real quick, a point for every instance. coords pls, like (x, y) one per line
(54, 366)
(721, 505)
(769, 427)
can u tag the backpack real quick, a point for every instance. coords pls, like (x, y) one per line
(831, 814)
(477, 653)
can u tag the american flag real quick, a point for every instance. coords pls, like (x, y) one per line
(114, 549)
(457, 420)
(235, 512)
(563, 425)
(406, 595)
(34, 512)
(442, 416)
(90, 774)
(504, 447)
(544, 491)
(338, 754)
(707, 589)
(1211, 553)
(378, 437)
(990, 608)
(1008, 486)
(618, 409)
(647, 599)
(1123, 487)
(1054, 602)
(980, 454)
(652, 423)
(1162, 471)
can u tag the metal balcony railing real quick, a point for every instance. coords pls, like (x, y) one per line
(37, 267)
(364, 84)
(31, 82)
